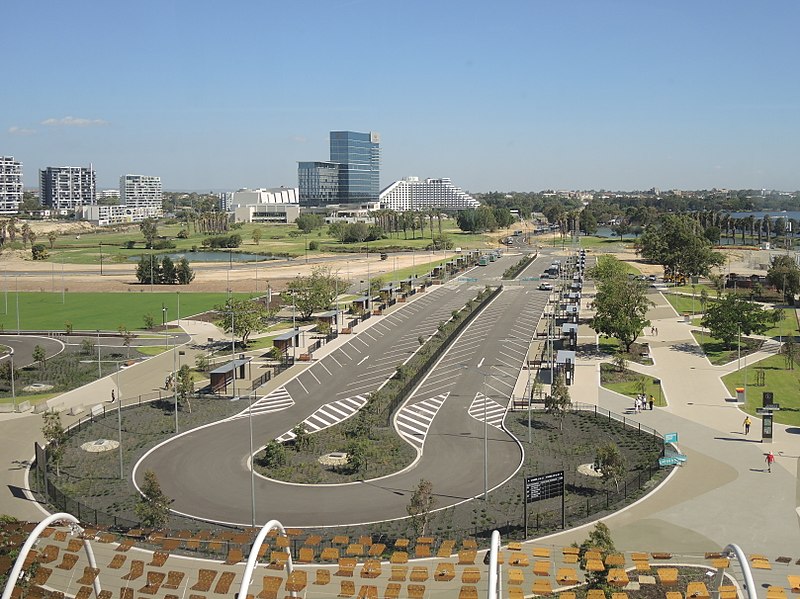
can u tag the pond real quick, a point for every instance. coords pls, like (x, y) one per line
(212, 257)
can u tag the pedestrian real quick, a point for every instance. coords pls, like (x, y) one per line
(651, 401)
(652, 331)
(113, 396)
(656, 331)
(747, 424)
(769, 459)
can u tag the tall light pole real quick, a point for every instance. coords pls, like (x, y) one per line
(101, 259)
(164, 323)
(175, 382)
(252, 465)
(13, 390)
(233, 353)
(119, 426)
(16, 282)
(179, 307)
(485, 435)
(99, 364)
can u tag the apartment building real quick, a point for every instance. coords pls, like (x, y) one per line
(412, 194)
(64, 188)
(10, 185)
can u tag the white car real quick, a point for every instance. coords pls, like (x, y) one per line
(546, 286)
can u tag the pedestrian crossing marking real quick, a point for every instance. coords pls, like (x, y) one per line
(275, 401)
(413, 420)
(494, 412)
(327, 415)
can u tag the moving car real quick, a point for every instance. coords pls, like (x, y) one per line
(546, 286)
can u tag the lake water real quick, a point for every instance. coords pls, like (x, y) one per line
(213, 257)
(772, 215)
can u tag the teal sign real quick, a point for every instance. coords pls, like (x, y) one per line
(671, 438)
(672, 461)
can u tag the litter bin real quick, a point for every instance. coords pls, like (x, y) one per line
(740, 394)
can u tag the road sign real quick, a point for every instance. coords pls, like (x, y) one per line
(544, 486)
(773, 407)
(671, 438)
(670, 461)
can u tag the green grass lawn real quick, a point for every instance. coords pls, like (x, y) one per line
(716, 352)
(785, 384)
(104, 311)
(787, 326)
(697, 289)
(683, 303)
(592, 241)
(276, 239)
(627, 383)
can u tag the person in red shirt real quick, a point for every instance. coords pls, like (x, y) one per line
(769, 459)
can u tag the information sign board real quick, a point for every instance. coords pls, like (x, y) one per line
(671, 438)
(544, 486)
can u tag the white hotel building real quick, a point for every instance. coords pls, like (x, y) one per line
(275, 205)
(412, 194)
(141, 191)
(10, 185)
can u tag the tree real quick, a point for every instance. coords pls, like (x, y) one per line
(167, 274)
(558, 400)
(183, 272)
(587, 222)
(357, 455)
(55, 436)
(733, 315)
(87, 347)
(149, 229)
(185, 386)
(127, 337)
(153, 506)
(308, 222)
(248, 317)
(316, 291)
(784, 274)
(274, 455)
(257, 235)
(790, 351)
(39, 355)
(149, 321)
(599, 539)
(301, 437)
(147, 270)
(420, 507)
(608, 462)
(68, 327)
(38, 251)
(673, 242)
(621, 306)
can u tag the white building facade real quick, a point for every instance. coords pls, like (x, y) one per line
(412, 194)
(276, 205)
(141, 191)
(105, 215)
(10, 185)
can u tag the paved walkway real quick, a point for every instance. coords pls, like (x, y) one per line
(723, 494)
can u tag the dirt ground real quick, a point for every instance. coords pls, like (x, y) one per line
(216, 277)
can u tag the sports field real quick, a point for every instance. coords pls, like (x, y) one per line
(104, 311)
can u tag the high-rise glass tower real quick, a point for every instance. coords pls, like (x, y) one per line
(359, 159)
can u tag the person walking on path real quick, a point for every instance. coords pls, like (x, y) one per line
(769, 459)
(747, 424)
(651, 401)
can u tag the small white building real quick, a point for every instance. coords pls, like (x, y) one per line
(105, 215)
(276, 205)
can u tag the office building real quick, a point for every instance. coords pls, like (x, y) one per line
(358, 156)
(412, 194)
(351, 176)
(318, 183)
(10, 185)
(141, 191)
(64, 188)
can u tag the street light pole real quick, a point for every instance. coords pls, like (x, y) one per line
(485, 434)
(233, 354)
(252, 466)
(99, 365)
(119, 426)
(13, 390)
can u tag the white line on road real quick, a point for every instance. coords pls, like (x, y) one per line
(364, 359)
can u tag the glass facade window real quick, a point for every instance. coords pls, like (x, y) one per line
(358, 155)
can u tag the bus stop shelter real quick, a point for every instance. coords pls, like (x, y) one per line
(226, 374)
(286, 340)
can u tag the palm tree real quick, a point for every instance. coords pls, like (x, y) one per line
(767, 226)
(758, 229)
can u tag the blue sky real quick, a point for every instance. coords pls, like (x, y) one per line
(512, 95)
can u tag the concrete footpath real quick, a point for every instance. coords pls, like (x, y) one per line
(723, 493)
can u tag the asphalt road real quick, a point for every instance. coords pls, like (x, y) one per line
(23, 347)
(206, 470)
